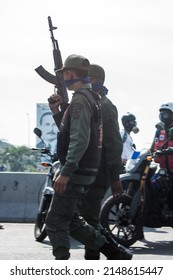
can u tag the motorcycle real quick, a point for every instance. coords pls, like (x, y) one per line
(47, 191)
(147, 199)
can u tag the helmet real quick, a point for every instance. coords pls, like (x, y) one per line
(167, 106)
(128, 117)
(75, 61)
(129, 122)
(166, 114)
(96, 71)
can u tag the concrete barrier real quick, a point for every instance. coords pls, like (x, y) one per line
(19, 196)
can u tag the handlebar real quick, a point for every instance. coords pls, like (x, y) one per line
(46, 151)
(164, 152)
(42, 150)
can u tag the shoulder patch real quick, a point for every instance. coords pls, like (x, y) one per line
(76, 110)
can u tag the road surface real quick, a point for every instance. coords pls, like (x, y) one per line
(17, 242)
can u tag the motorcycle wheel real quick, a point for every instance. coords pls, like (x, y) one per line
(40, 226)
(115, 217)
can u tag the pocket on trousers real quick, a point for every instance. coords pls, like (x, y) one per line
(79, 188)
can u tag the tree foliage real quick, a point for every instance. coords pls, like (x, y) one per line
(19, 159)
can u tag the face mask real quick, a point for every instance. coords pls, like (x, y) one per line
(132, 126)
(70, 82)
(135, 129)
(166, 117)
(97, 86)
(100, 87)
(73, 81)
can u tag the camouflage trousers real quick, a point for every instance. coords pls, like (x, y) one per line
(63, 220)
(93, 200)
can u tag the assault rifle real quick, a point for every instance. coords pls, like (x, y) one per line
(56, 79)
(110, 237)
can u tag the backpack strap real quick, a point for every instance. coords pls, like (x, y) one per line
(94, 101)
(124, 137)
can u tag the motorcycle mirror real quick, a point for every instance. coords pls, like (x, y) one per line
(38, 132)
(171, 133)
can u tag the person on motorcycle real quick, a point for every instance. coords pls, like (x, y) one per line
(160, 139)
(130, 125)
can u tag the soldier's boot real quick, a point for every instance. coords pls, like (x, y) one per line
(89, 256)
(92, 256)
(113, 252)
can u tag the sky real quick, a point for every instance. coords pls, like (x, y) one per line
(131, 39)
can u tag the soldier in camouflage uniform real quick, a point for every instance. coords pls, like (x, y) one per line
(79, 153)
(111, 164)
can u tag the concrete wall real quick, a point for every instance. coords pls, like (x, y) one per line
(19, 196)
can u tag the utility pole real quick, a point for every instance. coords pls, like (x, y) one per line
(28, 118)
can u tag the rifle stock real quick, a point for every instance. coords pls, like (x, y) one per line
(56, 79)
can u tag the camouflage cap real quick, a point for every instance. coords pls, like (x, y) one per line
(75, 61)
(96, 71)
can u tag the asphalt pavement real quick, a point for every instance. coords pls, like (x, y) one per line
(17, 242)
